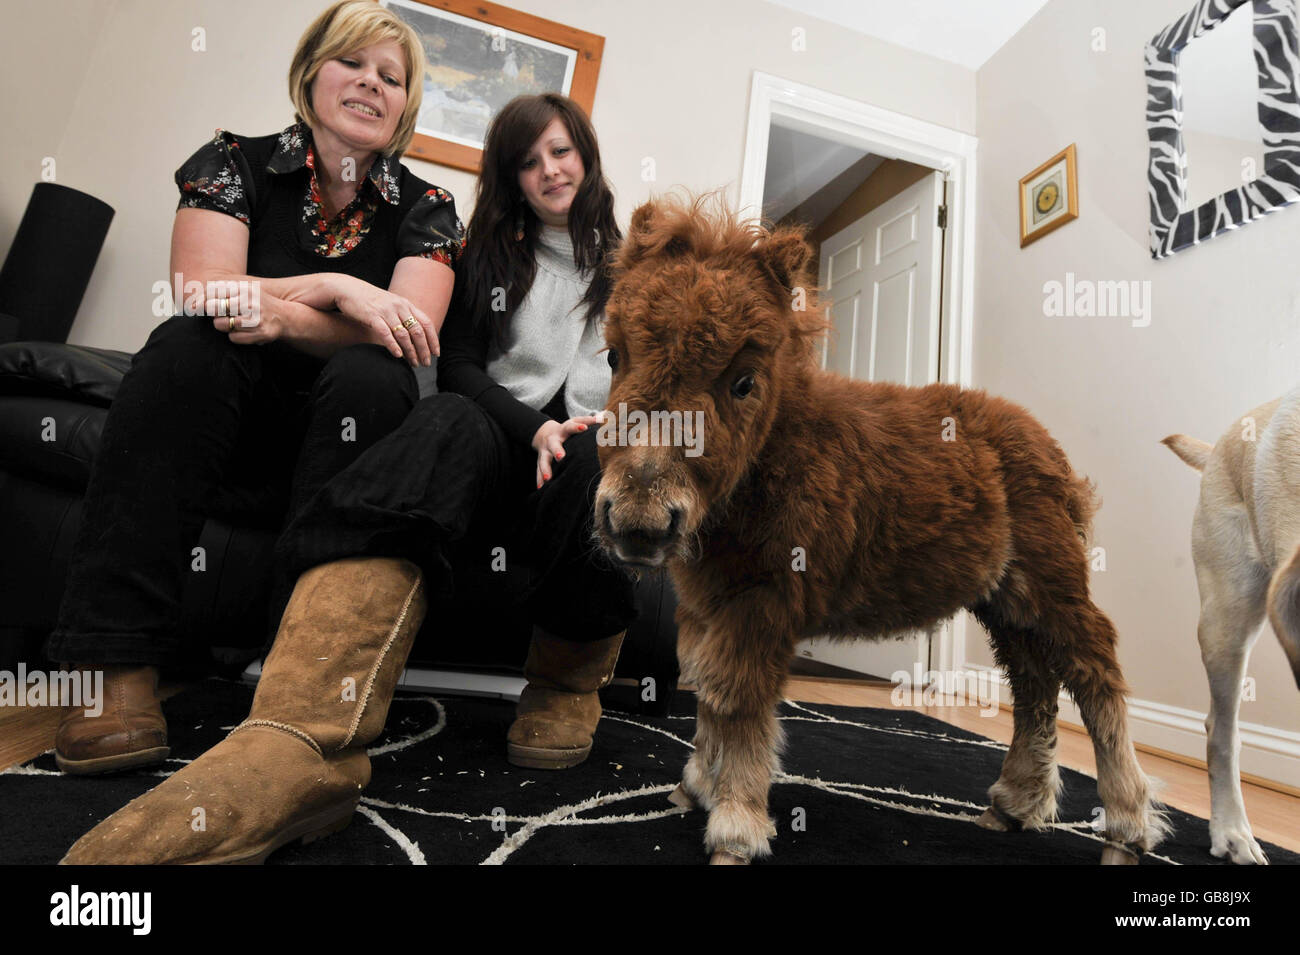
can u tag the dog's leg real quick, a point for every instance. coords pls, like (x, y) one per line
(1232, 609)
(1284, 607)
(1025, 794)
(1135, 823)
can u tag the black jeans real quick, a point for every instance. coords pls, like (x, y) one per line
(450, 492)
(205, 428)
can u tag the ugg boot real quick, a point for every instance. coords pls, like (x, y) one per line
(129, 731)
(559, 709)
(296, 767)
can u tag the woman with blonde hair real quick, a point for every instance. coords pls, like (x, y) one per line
(326, 268)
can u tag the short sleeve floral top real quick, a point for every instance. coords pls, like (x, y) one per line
(210, 179)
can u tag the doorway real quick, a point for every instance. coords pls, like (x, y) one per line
(890, 203)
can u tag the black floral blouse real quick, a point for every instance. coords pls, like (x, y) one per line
(210, 179)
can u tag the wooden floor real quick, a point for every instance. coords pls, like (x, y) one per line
(1274, 815)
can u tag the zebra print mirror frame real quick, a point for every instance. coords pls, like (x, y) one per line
(1174, 228)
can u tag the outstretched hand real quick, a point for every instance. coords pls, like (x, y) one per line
(549, 440)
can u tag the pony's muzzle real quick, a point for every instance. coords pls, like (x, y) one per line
(645, 540)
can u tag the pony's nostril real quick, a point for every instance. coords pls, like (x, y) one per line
(604, 514)
(675, 516)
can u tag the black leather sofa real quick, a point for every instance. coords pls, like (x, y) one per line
(54, 399)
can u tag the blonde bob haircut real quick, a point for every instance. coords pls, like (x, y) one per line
(344, 28)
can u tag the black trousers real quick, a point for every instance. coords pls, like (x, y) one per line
(205, 428)
(449, 491)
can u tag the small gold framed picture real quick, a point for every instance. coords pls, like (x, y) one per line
(1049, 197)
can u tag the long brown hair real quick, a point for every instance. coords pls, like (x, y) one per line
(496, 256)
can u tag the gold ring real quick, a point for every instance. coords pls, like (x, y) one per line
(232, 324)
(409, 323)
(395, 329)
(223, 307)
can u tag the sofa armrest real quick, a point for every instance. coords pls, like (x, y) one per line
(52, 369)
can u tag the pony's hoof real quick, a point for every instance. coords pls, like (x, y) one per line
(998, 821)
(679, 797)
(723, 857)
(1116, 855)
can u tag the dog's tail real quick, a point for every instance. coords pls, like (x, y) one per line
(1284, 610)
(1191, 450)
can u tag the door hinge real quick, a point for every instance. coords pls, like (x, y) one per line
(943, 217)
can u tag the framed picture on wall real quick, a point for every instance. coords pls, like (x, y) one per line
(1049, 197)
(480, 56)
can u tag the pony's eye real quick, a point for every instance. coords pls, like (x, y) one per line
(742, 386)
(613, 360)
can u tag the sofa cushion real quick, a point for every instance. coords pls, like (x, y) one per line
(66, 371)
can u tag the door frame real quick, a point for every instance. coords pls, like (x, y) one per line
(894, 136)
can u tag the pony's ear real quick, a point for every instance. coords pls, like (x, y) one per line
(652, 231)
(642, 220)
(640, 237)
(785, 253)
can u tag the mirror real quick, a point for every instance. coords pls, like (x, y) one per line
(1221, 120)
(1222, 139)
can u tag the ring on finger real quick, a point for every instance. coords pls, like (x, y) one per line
(409, 322)
(396, 328)
(223, 307)
(232, 324)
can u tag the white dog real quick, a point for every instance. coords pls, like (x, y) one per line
(1246, 546)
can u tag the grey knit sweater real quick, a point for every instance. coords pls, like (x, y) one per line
(551, 344)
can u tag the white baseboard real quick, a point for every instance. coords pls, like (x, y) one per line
(1266, 751)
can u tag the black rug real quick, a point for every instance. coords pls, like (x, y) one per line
(859, 786)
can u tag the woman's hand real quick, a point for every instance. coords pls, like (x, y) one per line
(250, 319)
(549, 440)
(394, 321)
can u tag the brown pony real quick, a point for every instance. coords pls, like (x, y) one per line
(818, 504)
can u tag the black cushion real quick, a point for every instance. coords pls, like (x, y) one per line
(67, 371)
(50, 439)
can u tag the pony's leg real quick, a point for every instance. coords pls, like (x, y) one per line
(696, 788)
(739, 828)
(738, 676)
(695, 791)
(1134, 823)
(1025, 794)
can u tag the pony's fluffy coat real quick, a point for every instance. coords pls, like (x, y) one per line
(908, 504)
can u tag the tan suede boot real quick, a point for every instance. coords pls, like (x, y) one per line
(559, 709)
(296, 767)
(130, 730)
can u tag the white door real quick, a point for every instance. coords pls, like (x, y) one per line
(881, 278)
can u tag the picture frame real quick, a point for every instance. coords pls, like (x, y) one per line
(1174, 226)
(1049, 196)
(481, 55)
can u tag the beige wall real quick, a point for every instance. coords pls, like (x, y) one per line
(45, 55)
(1223, 337)
(673, 86)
